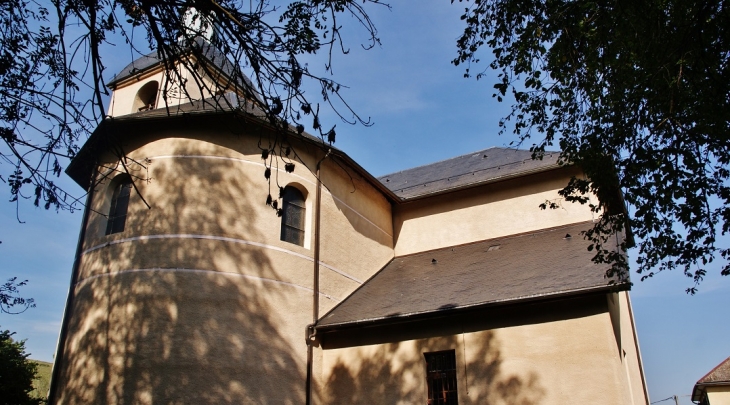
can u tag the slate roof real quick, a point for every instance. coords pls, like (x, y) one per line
(202, 48)
(720, 375)
(214, 108)
(226, 103)
(484, 166)
(536, 265)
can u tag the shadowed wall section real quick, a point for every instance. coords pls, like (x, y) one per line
(182, 337)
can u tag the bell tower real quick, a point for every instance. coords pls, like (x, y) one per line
(200, 72)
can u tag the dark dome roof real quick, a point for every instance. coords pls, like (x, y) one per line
(200, 47)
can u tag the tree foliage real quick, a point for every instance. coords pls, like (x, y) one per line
(16, 372)
(10, 300)
(52, 70)
(642, 87)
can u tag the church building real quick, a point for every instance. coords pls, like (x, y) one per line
(441, 284)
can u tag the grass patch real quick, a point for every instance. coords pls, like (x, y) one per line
(43, 379)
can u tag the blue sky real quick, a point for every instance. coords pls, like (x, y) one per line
(423, 111)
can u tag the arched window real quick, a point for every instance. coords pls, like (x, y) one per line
(146, 97)
(118, 207)
(292, 216)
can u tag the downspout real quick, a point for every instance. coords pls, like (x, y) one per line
(317, 220)
(311, 331)
(61, 343)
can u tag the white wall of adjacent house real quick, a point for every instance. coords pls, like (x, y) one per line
(719, 395)
(485, 212)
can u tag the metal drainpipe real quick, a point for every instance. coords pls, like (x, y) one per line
(61, 344)
(315, 293)
(317, 218)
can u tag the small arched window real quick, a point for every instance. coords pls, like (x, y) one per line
(292, 216)
(146, 97)
(118, 207)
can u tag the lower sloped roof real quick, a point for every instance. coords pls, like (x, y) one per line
(541, 264)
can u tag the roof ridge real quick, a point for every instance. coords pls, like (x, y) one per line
(447, 159)
(410, 186)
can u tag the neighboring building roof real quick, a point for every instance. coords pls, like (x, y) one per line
(720, 375)
(517, 268)
(201, 48)
(485, 166)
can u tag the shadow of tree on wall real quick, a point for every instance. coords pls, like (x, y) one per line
(189, 320)
(394, 373)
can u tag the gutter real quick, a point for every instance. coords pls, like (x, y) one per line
(699, 389)
(447, 312)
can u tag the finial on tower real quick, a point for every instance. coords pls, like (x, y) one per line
(197, 24)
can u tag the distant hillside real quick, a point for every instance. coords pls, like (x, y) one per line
(43, 379)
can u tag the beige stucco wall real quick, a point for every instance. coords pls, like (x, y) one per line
(627, 345)
(718, 395)
(568, 360)
(356, 230)
(485, 212)
(197, 300)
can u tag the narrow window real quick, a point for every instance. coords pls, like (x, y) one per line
(441, 378)
(118, 207)
(292, 216)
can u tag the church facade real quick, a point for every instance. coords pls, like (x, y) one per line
(441, 284)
